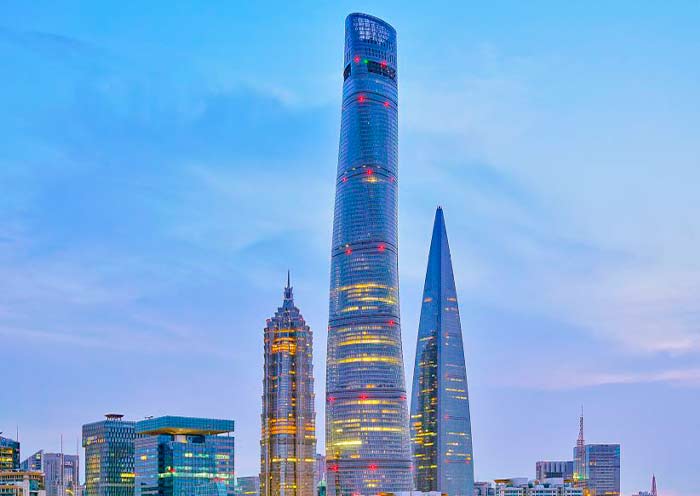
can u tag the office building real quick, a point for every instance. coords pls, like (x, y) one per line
(319, 470)
(523, 487)
(483, 488)
(33, 463)
(554, 470)
(367, 439)
(602, 469)
(184, 456)
(440, 421)
(109, 456)
(288, 434)
(596, 466)
(248, 486)
(9, 454)
(21, 483)
(61, 472)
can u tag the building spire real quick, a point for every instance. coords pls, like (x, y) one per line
(580, 442)
(653, 485)
(288, 295)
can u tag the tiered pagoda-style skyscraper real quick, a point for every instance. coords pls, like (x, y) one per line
(440, 421)
(367, 439)
(288, 440)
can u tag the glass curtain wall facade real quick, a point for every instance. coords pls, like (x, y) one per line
(34, 463)
(602, 469)
(367, 440)
(9, 454)
(62, 474)
(109, 457)
(248, 486)
(440, 421)
(288, 420)
(184, 456)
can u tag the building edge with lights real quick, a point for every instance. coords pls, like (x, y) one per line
(440, 419)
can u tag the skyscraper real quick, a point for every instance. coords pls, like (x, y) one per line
(288, 435)
(440, 421)
(61, 471)
(9, 454)
(109, 457)
(62, 474)
(33, 463)
(184, 456)
(596, 466)
(602, 469)
(367, 441)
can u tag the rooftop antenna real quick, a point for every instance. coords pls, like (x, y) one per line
(63, 469)
(580, 442)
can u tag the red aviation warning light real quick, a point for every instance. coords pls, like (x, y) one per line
(361, 98)
(356, 59)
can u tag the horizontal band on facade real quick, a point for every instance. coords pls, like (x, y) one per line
(370, 96)
(361, 320)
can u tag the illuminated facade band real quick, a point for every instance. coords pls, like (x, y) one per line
(288, 437)
(367, 440)
(440, 421)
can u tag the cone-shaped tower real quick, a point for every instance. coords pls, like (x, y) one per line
(288, 440)
(440, 423)
(653, 485)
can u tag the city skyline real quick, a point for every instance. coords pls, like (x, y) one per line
(134, 218)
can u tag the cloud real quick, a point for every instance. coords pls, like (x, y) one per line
(568, 379)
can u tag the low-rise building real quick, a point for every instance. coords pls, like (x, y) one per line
(21, 483)
(521, 486)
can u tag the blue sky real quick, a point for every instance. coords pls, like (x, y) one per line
(163, 164)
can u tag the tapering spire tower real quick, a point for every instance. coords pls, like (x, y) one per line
(288, 436)
(580, 456)
(440, 420)
(367, 440)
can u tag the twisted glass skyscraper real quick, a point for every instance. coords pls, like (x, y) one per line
(440, 421)
(367, 441)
